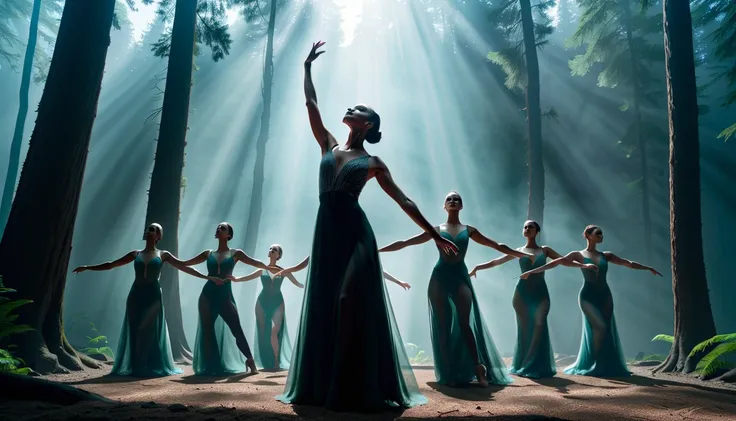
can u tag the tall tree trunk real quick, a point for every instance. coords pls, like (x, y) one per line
(693, 317)
(641, 140)
(164, 196)
(535, 208)
(256, 198)
(20, 121)
(35, 248)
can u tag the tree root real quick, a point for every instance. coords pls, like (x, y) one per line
(729, 377)
(25, 388)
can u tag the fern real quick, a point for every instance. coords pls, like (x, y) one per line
(712, 362)
(664, 338)
(729, 337)
(728, 132)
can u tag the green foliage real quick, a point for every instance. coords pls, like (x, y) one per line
(728, 132)
(10, 364)
(417, 354)
(507, 18)
(664, 338)
(96, 342)
(8, 327)
(14, 32)
(716, 358)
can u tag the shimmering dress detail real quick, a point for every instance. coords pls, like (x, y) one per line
(271, 300)
(533, 355)
(216, 350)
(452, 296)
(596, 303)
(348, 353)
(144, 349)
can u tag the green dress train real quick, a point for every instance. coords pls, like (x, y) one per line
(451, 296)
(223, 357)
(596, 302)
(144, 349)
(271, 300)
(348, 353)
(533, 355)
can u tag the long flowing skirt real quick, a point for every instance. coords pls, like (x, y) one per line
(453, 363)
(533, 356)
(264, 353)
(596, 303)
(144, 349)
(348, 353)
(216, 351)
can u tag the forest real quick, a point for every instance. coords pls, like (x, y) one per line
(117, 114)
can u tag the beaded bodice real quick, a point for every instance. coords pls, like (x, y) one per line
(350, 180)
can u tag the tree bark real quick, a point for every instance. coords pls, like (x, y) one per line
(20, 121)
(164, 196)
(535, 208)
(35, 248)
(256, 197)
(693, 317)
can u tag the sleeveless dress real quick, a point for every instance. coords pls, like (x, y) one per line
(531, 293)
(226, 358)
(610, 361)
(144, 349)
(348, 353)
(270, 300)
(453, 364)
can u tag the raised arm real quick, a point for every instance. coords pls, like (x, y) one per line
(413, 241)
(481, 239)
(294, 281)
(200, 258)
(240, 256)
(572, 256)
(129, 257)
(493, 263)
(383, 176)
(169, 258)
(628, 263)
(566, 260)
(391, 278)
(324, 137)
(295, 268)
(246, 278)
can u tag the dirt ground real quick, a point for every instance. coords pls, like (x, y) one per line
(184, 397)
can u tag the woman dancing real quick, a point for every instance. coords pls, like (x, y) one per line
(215, 353)
(348, 353)
(462, 347)
(533, 356)
(272, 348)
(601, 354)
(144, 349)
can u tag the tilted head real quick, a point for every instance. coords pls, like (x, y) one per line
(224, 231)
(364, 119)
(275, 252)
(531, 229)
(593, 233)
(154, 232)
(453, 201)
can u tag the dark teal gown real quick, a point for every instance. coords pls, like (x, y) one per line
(348, 353)
(271, 300)
(452, 297)
(596, 303)
(216, 350)
(533, 356)
(144, 349)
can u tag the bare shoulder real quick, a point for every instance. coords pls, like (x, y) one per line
(377, 163)
(471, 229)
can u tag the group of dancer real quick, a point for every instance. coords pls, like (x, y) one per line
(346, 314)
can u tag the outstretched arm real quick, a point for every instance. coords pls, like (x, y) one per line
(200, 258)
(295, 268)
(324, 137)
(294, 281)
(129, 257)
(493, 263)
(566, 260)
(240, 255)
(383, 176)
(479, 238)
(391, 278)
(628, 263)
(572, 256)
(169, 258)
(413, 241)
(246, 278)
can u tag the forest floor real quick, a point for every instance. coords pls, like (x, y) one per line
(641, 397)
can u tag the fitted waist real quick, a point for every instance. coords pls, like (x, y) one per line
(337, 197)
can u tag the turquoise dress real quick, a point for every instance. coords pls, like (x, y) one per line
(596, 302)
(533, 356)
(144, 349)
(271, 300)
(348, 353)
(451, 297)
(216, 351)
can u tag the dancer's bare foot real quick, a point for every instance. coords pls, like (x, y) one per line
(251, 364)
(480, 373)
